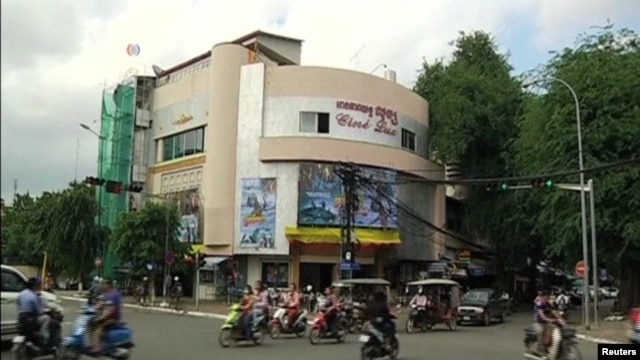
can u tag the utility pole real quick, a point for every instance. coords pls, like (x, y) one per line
(347, 174)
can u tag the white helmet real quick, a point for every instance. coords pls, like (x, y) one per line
(176, 278)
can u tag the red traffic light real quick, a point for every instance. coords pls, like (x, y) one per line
(113, 187)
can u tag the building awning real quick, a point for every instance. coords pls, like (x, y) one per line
(326, 235)
(212, 262)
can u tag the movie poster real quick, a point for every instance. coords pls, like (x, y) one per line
(320, 197)
(190, 206)
(258, 213)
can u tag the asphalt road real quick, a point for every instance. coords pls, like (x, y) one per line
(161, 336)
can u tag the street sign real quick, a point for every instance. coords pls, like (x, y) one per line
(349, 266)
(169, 258)
(580, 269)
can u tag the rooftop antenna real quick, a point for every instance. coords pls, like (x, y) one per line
(355, 60)
(382, 65)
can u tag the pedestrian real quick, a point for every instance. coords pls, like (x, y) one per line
(232, 283)
(176, 293)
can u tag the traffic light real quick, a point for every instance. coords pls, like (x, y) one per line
(93, 181)
(498, 187)
(134, 188)
(539, 183)
(113, 187)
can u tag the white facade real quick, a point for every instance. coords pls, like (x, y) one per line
(248, 165)
(282, 118)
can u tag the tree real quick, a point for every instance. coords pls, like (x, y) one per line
(604, 70)
(21, 239)
(474, 101)
(67, 226)
(139, 238)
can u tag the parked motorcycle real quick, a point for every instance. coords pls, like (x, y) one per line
(279, 324)
(568, 349)
(373, 345)
(232, 330)
(321, 329)
(117, 341)
(26, 348)
(417, 318)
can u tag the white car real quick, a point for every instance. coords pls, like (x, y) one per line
(13, 282)
(609, 292)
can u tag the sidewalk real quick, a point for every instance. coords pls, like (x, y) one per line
(606, 331)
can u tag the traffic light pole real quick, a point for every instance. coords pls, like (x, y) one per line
(103, 245)
(594, 247)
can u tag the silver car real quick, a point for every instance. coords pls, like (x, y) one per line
(13, 282)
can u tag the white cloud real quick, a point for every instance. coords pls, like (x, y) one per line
(46, 93)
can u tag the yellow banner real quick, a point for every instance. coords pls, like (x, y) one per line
(325, 235)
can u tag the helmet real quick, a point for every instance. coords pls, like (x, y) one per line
(420, 290)
(145, 279)
(96, 278)
(176, 278)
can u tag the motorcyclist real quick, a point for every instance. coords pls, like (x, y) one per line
(248, 300)
(544, 320)
(292, 304)
(420, 302)
(380, 316)
(95, 290)
(261, 305)
(32, 319)
(110, 313)
(331, 308)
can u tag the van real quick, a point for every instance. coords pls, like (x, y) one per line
(13, 282)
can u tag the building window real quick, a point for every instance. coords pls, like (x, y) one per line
(408, 140)
(184, 144)
(312, 122)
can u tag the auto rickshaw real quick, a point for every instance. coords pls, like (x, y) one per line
(354, 293)
(443, 298)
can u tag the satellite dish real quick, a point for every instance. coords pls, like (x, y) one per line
(157, 70)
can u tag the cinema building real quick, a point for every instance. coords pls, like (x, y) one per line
(244, 138)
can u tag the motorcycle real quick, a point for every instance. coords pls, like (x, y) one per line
(26, 349)
(321, 329)
(417, 318)
(232, 330)
(279, 325)
(568, 349)
(117, 340)
(373, 345)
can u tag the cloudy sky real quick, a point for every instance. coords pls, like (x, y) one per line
(57, 55)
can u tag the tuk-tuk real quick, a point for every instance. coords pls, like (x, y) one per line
(443, 299)
(354, 293)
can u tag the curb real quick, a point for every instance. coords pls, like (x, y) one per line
(597, 340)
(199, 314)
(156, 309)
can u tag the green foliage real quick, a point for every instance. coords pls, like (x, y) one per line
(482, 122)
(604, 71)
(60, 223)
(139, 237)
(473, 101)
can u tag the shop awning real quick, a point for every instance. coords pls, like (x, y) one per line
(326, 235)
(211, 262)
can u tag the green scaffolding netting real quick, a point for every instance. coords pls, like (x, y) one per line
(115, 159)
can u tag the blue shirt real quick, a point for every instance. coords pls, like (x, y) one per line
(113, 298)
(29, 303)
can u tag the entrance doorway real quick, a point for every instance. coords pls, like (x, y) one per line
(318, 275)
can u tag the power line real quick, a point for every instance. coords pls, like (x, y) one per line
(400, 206)
(484, 181)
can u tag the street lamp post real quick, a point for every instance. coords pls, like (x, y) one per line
(583, 203)
(100, 164)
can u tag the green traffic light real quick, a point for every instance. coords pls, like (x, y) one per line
(548, 183)
(504, 186)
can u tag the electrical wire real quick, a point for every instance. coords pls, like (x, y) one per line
(485, 181)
